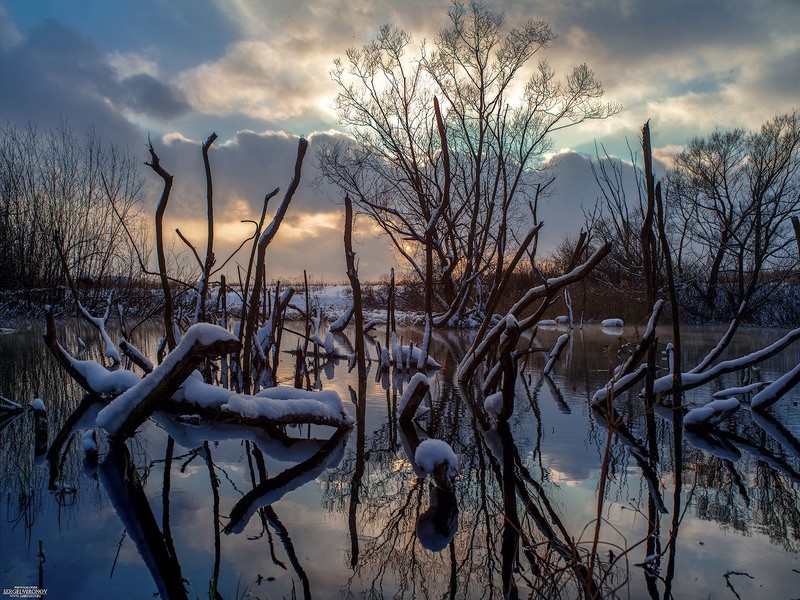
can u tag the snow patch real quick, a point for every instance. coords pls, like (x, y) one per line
(278, 402)
(114, 415)
(711, 413)
(493, 404)
(612, 323)
(432, 453)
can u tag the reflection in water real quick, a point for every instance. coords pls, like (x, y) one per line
(126, 493)
(560, 502)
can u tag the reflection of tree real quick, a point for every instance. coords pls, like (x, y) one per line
(126, 492)
(744, 478)
(509, 533)
(272, 489)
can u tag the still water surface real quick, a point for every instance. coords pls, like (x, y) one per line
(343, 514)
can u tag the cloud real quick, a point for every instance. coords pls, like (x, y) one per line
(9, 35)
(687, 66)
(254, 78)
(279, 69)
(59, 74)
(245, 168)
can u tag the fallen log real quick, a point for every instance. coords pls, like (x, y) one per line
(130, 409)
(93, 377)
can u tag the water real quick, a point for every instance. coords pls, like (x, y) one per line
(347, 516)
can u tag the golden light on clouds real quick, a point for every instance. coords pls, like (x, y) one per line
(225, 231)
(231, 230)
(312, 225)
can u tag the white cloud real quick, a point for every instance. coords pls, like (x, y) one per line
(258, 80)
(127, 64)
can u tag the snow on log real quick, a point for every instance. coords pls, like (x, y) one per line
(372, 324)
(741, 390)
(340, 323)
(775, 390)
(616, 386)
(136, 356)
(197, 393)
(412, 396)
(109, 349)
(90, 375)
(711, 414)
(555, 353)
(285, 405)
(435, 457)
(561, 320)
(547, 323)
(692, 379)
(103, 382)
(129, 410)
(407, 355)
(612, 323)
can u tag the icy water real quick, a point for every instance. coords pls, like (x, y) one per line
(342, 514)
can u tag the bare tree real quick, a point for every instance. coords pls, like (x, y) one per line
(731, 196)
(461, 207)
(57, 181)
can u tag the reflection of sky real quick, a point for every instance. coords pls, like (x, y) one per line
(80, 552)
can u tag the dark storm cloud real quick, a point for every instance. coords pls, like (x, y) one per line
(55, 73)
(147, 95)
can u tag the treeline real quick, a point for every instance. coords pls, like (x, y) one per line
(729, 200)
(67, 192)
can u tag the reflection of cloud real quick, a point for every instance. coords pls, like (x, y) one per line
(559, 477)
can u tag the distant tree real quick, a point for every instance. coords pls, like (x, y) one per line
(455, 191)
(59, 184)
(731, 196)
(618, 216)
(729, 201)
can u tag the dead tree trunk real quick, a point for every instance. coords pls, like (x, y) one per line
(266, 237)
(128, 411)
(355, 284)
(169, 308)
(209, 262)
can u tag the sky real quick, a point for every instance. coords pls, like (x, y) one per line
(258, 74)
